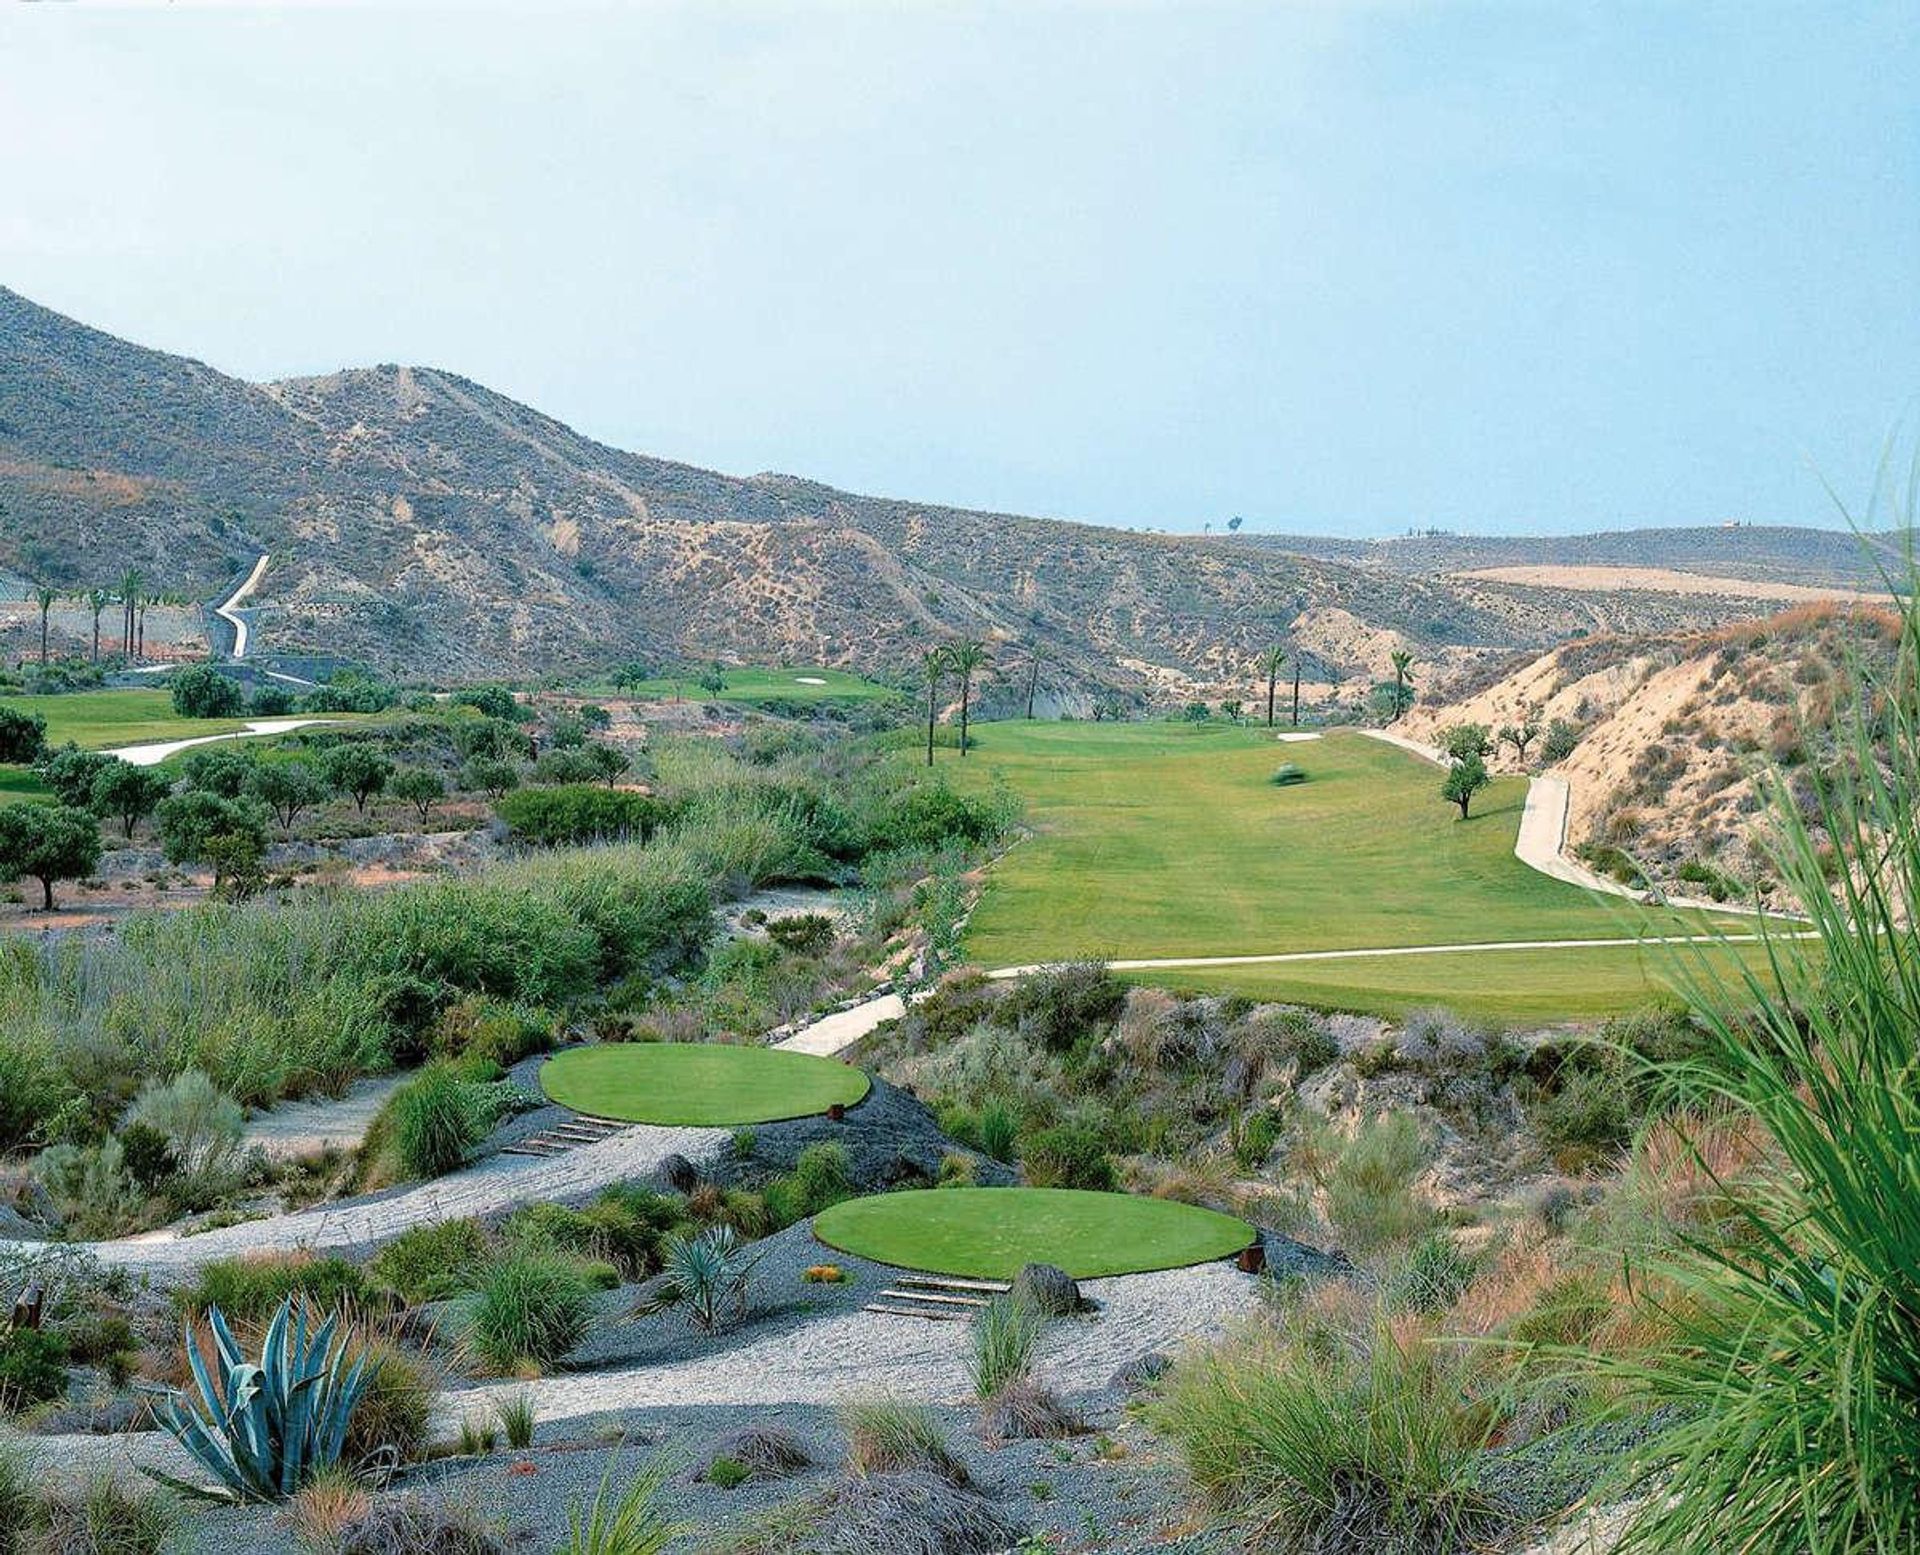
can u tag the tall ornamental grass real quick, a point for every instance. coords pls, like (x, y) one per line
(1788, 1398)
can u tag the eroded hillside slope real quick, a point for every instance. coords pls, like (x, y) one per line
(1674, 732)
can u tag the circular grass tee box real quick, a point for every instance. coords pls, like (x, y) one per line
(698, 1084)
(988, 1233)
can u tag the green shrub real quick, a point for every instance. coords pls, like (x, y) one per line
(887, 1437)
(201, 691)
(204, 1127)
(148, 1158)
(527, 1309)
(998, 1131)
(1782, 1414)
(1330, 1441)
(1370, 1198)
(476, 1026)
(728, 1473)
(1433, 1276)
(248, 1289)
(106, 1517)
(1287, 774)
(393, 1416)
(517, 1421)
(436, 1120)
(1005, 1333)
(432, 1262)
(1058, 1006)
(1067, 1156)
(820, 1178)
(572, 814)
(623, 1227)
(803, 934)
(33, 1368)
(33, 1087)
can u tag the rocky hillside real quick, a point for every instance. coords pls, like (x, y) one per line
(420, 521)
(1674, 731)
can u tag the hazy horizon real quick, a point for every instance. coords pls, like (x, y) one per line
(1339, 269)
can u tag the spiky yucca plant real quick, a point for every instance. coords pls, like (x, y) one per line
(262, 1430)
(1788, 1399)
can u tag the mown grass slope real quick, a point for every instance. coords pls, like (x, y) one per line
(1170, 840)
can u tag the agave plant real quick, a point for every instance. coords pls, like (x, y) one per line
(263, 1430)
(706, 1274)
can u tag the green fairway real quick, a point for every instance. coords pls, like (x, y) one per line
(1515, 985)
(99, 720)
(1167, 839)
(988, 1233)
(768, 685)
(696, 1084)
(20, 783)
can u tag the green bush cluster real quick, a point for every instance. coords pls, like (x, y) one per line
(571, 814)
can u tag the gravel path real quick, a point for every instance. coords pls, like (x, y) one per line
(153, 755)
(305, 1127)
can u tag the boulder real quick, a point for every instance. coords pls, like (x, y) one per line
(1049, 1291)
(1142, 1372)
(678, 1173)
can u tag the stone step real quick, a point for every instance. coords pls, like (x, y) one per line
(931, 1296)
(941, 1282)
(922, 1312)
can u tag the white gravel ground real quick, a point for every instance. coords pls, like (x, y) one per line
(860, 1354)
(297, 1128)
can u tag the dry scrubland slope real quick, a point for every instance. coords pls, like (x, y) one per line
(1679, 726)
(418, 519)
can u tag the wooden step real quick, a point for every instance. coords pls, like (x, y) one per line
(532, 1147)
(938, 1300)
(921, 1312)
(937, 1282)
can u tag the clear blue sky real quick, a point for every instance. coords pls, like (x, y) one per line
(1335, 267)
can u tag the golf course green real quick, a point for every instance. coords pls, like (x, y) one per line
(698, 1084)
(988, 1233)
(1171, 840)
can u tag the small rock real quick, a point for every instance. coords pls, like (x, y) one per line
(678, 1173)
(1143, 1371)
(1048, 1290)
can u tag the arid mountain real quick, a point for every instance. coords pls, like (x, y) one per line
(1674, 732)
(419, 521)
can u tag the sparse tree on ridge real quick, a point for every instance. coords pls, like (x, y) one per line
(1521, 734)
(966, 659)
(44, 597)
(1402, 682)
(933, 664)
(1270, 663)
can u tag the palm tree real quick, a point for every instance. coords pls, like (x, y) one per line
(1402, 661)
(966, 659)
(130, 585)
(44, 598)
(1033, 676)
(1270, 663)
(933, 664)
(97, 601)
(1296, 693)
